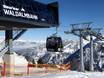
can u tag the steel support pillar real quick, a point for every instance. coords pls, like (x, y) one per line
(9, 40)
(91, 54)
(81, 54)
(9, 56)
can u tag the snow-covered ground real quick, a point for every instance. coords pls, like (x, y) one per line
(68, 74)
(74, 75)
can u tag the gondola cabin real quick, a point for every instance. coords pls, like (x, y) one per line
(54, 44)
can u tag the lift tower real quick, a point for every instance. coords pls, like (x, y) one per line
(80, 31)
(20, 15)
(93, 32)
(83, 30)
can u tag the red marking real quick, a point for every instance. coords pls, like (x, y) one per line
(3, 72)
(31, 65)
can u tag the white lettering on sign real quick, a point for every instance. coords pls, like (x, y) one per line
(8, 7)
(15, 12)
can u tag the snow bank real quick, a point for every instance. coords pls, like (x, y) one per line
(68, 74)
(74, 74)
(20, 64)
(20, 60)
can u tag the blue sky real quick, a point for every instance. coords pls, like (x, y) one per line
(71, 11)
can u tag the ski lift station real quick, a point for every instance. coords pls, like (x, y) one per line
(16, 17)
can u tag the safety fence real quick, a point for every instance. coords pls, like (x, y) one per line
(49, 67)
(32, 69)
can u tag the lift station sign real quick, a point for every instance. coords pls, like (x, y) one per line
(18, 12)
(28, 13)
